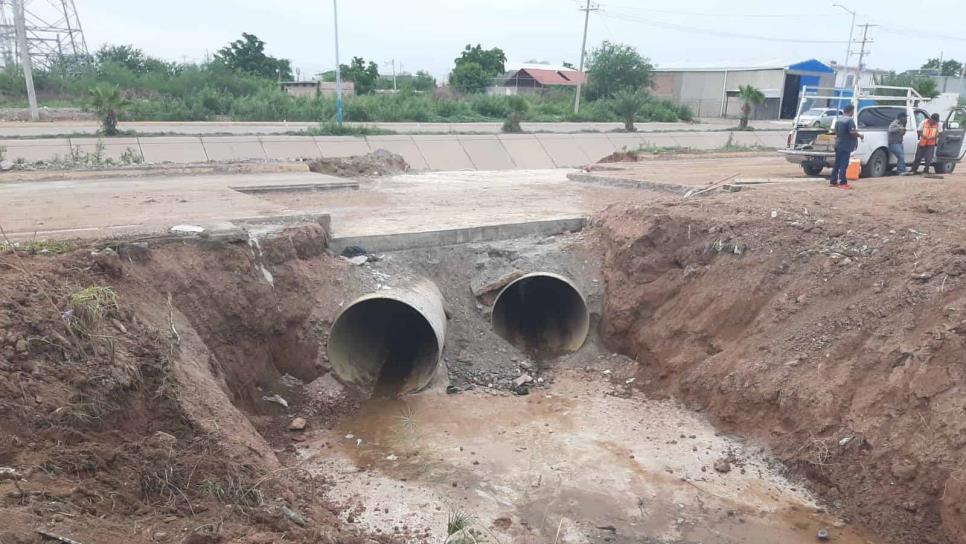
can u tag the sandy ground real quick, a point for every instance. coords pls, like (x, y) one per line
(583, 461)
(13, 129)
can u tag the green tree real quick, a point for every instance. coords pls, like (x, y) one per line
(947, 68)
(613, 67)
(248, 55)
(518, 107)
(131, 58)
(469, 77)
(475, 67)
(493, 61)
(752, 97)
(924, 85)
(627, 104)
(107, 102)
(364, 76)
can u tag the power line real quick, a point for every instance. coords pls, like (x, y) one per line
(699, 14)
(707, 31)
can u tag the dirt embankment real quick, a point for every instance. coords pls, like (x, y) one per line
(132, 385)
(839, 342)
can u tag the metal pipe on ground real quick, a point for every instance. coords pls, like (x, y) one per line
(543, 314)
(390, 341)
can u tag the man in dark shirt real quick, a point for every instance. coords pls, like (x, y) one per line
(846, 141)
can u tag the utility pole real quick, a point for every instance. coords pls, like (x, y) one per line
(393, 62)
(338, 70)
(848, 47)
(858, 69)
(25, 60)
(583, 52)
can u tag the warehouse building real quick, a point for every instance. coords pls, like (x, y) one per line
(713, 91)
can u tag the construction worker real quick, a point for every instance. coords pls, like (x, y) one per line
(846, 141)
(928, 140)
(897, 131)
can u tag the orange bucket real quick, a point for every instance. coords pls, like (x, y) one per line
(854, 171)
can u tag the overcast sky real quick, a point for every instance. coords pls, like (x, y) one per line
(424, 34)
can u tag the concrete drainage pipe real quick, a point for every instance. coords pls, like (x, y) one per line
(390, 341)
(543, 314)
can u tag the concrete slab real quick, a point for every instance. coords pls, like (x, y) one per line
(35, 150)
(744, 138)
(233, 148)
(177, 149)
(595, 146)
(487, 233)
(625, 141)
(342, 146)
(111, 148)
(290, 147)
(443, 153)
(526, 151)
(704, 140)
(658, 139)
(563, 150)
(401, 145)
(776, 139)
(487, 152)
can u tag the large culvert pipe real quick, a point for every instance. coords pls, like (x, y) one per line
(542, 313)
(390, 340)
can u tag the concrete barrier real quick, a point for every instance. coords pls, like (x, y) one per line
(45, 149)
(595, 146)
(563, 150)
(177, 149)
(401, 145)
(110, 148)
(342, 146)
(290, 147)
(233, 148)
(487, 152)
(443, 153)
(526, 151)
(422, 152)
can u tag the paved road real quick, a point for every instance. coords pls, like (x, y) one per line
(92, 209)
(13, 129)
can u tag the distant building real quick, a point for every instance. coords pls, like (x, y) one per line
(537, 79)
(845, 76)
(713, 91)
(312, 88)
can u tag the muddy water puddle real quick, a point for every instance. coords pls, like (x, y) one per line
(572, 463)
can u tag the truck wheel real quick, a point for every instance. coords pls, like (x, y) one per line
(878, 164)
(945, 167)
(812, 170)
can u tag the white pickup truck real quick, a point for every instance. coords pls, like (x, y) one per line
(814, 147)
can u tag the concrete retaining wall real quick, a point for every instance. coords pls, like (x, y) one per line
(423, 152)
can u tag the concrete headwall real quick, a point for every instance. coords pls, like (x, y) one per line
(422, 152)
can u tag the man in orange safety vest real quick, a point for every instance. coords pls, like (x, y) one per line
(928, 140)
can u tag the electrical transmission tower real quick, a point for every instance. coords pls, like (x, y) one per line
(52, 33)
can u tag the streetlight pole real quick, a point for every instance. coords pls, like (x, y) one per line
(848, 47)
(338, 70)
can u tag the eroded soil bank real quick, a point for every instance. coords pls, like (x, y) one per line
(147, 409)
(835, 338)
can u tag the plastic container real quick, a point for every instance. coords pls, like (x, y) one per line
(854, 171)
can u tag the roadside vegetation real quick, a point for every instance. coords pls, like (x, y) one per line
(241, 83)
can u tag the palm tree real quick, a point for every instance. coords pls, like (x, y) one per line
(627, 105)
(752, 97)
(108, 103)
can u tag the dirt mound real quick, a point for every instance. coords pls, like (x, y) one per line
(834, 338)
(620, 156)
(378, 163)
(132, 387)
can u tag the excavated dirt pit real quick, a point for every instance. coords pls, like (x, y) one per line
(708, 402)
